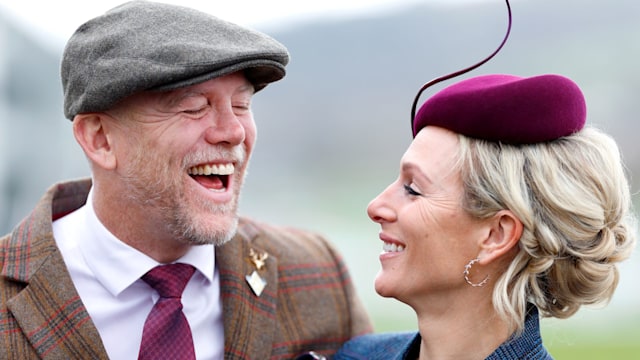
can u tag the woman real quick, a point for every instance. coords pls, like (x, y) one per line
(507, 208)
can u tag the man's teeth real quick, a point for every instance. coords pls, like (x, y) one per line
(390, 247)
(219, 169)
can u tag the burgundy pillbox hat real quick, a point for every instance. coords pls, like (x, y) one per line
(507, 108)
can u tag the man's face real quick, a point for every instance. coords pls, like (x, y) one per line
(182, 156)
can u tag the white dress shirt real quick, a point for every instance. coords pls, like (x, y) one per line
(106, 273)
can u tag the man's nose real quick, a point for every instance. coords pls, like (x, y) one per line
(225, 127)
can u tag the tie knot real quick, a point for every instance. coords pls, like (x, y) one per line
(169, 280)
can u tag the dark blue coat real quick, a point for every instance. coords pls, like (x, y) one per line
(406, 345)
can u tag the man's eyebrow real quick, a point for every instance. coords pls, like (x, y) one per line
(173, 98)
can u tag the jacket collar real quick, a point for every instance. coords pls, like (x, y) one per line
(527, 345)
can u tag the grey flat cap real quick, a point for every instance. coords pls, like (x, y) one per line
(143, 45)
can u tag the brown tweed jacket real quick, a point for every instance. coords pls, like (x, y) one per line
(308, 304)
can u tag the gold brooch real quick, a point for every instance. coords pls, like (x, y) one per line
(258, 259)
(255, 281)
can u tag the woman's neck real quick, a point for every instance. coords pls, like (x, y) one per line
(461, 329)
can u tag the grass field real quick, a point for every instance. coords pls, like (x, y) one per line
(596, 351)
(616, 341)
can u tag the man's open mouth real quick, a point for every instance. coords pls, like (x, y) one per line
(214, 177)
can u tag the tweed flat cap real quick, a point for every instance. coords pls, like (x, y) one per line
(507, 108)
(144, 45)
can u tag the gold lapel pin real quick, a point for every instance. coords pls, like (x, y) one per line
(258, 259)
(255, 281)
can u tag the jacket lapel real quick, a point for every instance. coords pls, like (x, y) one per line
(53, 318)
(249, 320)
(48, 309)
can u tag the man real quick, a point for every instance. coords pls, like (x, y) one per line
(160, 98)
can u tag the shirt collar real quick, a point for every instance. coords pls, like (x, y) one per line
(117, 265)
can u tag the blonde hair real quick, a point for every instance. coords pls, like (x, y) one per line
(573, 199)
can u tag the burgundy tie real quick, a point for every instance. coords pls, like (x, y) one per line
(166, 333)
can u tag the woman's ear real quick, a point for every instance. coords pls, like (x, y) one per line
(92, 134)
(503, 236)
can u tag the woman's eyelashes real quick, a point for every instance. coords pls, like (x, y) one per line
(410, 191)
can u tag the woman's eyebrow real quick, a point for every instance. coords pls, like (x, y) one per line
(413, 168)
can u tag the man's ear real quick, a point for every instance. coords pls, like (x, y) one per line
(94, 138)
(504, 235)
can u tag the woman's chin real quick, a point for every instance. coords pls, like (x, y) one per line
(383, 287)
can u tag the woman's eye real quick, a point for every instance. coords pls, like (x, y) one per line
(409, 190)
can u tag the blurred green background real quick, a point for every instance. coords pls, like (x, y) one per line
(332, 133)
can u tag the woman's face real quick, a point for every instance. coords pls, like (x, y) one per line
(427, 237)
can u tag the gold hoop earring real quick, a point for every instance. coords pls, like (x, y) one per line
(466, 274)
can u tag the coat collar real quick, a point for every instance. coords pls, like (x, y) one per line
(31, 242)
(527, 345)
